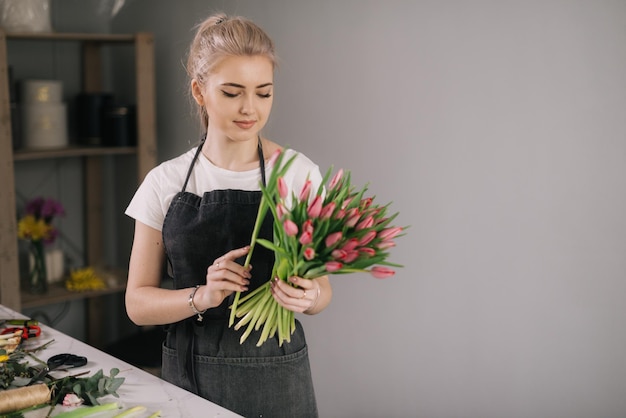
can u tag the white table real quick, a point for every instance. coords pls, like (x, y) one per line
(139, 388)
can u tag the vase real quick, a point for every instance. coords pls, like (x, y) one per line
(38, 276)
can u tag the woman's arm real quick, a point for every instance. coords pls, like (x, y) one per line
(149, 304)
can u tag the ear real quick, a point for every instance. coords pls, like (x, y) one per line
(196, 92)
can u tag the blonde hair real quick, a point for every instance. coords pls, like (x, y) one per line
(220, 36)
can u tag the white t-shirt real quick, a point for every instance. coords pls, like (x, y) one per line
(154, 195)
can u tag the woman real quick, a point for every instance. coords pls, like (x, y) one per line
(195, 215)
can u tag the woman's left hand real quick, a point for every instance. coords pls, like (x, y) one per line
(298, 299)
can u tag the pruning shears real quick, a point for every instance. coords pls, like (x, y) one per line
(28, 331)
(62, 361)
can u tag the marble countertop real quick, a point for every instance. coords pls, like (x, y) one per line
(139, 388)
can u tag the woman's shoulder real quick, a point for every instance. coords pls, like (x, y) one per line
(301, 160)
(174, 167)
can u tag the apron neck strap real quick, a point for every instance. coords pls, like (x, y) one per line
(199, 150)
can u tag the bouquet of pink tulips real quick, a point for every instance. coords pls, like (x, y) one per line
(338, 231)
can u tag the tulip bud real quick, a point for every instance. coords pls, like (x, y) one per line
(281, 211)
(306, 190)
(315, 208)
(308, 226)
(306, 238)
(367, 238)
(291, 229)
(327, 210)
(274, 156)
(309, 253)
(365, 223)
(335, 180)
(282, 188)
(370, 252)
(389, 233)
(332, 266)
(383, 245)
(365, 203)
(351, 244)
(339, 254)
(333, 238)
(352, 220)
(381, 272)
(351, 256)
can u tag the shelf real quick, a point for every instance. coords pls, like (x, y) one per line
(92, 53)
(52, 36)
(72, 151)
(57, 293)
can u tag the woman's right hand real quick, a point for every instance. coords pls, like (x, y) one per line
(224, 277)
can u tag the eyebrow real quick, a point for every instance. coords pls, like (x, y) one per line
(243, 87)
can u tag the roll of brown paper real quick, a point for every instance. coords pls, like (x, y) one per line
(12, 400)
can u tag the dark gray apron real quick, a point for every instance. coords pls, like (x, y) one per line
(205, 357)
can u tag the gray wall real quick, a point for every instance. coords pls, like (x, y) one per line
(497, 129)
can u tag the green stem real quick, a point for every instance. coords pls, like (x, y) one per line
(255, 233)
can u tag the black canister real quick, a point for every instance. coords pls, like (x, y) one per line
(119, 126)
(89, 112)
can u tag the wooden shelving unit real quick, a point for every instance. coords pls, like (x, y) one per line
(146, 153)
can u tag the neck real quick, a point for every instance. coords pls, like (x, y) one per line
(233, 156)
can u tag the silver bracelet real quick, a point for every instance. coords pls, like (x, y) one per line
(192, 306)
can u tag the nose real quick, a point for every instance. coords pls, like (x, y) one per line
(247, 105)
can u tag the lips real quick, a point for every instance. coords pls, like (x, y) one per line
(245, 124)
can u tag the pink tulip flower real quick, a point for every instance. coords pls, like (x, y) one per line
(274, 157)
(367, 238)
(367, 251)
(365, 223)
(281, 211)
(309, 253)
(335, 180)
(306, 190)
(366, 203)
(351, 256)
(332, 266)
(382, 272)
(291, 229)
(333, 239)
(351, 244)
(282, 188)
(315, 208)
(308, 226)
(339, 255)
(389, 233)
(328, 210)
(306, 238)
(352, 220)
(383, 245)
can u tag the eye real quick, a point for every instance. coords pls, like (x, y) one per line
(264, 96)
(227, 94)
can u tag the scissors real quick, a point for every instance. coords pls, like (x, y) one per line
(56, 362)
(28, 331)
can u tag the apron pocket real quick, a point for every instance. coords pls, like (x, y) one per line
(276, 386)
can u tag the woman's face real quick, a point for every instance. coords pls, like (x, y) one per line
(237, 96)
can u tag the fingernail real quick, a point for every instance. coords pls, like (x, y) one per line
(276, 279)
(244, 288)
(293, 279)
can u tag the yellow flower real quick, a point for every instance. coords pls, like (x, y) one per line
(34, 229)
(84, 279)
